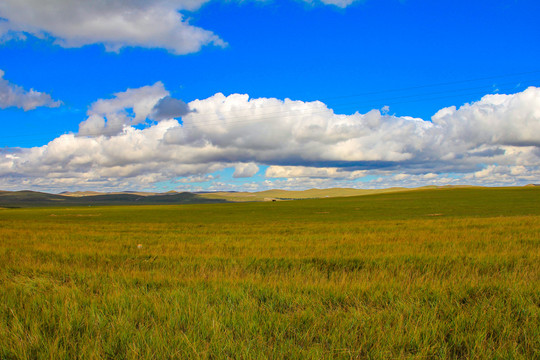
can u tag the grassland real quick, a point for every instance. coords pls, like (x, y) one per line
(428, 274)
(277, 194)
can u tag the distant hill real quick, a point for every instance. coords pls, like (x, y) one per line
(34, 198)
(276, 195)
(83, 198)
(91, 193)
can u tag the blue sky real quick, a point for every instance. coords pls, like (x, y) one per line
(401, 59)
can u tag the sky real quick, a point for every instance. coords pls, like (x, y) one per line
(249, 95)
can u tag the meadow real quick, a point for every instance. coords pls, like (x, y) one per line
(424, 274)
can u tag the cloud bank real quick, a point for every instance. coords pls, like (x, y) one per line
(116, 24)
(12, 95)
(123, 143)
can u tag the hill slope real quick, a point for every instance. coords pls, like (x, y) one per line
(33, 198)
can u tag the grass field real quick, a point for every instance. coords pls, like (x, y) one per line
(269, 195)
(427, 274)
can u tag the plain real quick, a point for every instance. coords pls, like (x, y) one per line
(427, 274)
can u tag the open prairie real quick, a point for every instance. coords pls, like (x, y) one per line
(426, 274)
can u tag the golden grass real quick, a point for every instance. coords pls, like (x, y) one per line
(275, 194)
(375, 277)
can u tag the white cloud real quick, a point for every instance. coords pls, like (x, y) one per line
(305, 144)
(196, 179)
(245, 170)
(276, 171)
(116, 24)
(338, 3)
(12, 95)
(110, 116)
(495, 119)
(272, 131)
(505, 175)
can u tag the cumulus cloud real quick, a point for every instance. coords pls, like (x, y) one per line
(495, 119)
(287, 132)
(196, 179)
(12, 95)
(245, 170)
(116, 24)
(275, 171)
(339, 3)
(131, 107)
(136, 156)
(304, 144)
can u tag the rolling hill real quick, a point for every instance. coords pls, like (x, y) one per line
(34, 198)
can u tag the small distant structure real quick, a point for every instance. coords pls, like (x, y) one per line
(139, 246)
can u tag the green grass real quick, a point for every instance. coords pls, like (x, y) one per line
(427, 274)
